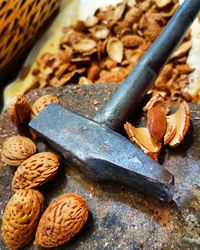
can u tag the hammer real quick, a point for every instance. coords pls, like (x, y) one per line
(94, 147)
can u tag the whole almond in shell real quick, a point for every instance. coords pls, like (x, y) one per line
(36, 170)
(41, 103)
(62, 219)
(17, 149)
(21, 217)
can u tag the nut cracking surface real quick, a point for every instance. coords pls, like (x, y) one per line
(119, 217)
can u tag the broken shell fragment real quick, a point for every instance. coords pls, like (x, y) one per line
(142, 138)
(155, 99)
(118, 12)
(84, 80)
(19, 110)
(132, 16)
(115, 49)
(91, 21)
(100, 32)
(181, 118)
(170, 133)
(182, 50)
(162, 3)
(84, 45)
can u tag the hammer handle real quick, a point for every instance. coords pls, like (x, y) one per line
(130, 94)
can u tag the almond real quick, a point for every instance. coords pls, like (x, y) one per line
(17, 149)
(19, 110)
(21, 217)
(62, 219)
(156, 117)
(156, 122)
(42, 102)
(36, 170)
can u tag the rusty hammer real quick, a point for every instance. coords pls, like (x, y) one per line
(103, 154)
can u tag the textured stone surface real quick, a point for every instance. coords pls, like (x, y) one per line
(119, 217)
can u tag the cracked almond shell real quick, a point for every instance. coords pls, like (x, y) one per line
(115, 49)
(19, 110)
(17, 149)
(36, 171)
(20, 218)
(181, 120)
(61, 221)
(142, 138)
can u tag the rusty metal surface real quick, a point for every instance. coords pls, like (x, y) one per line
(121, 218)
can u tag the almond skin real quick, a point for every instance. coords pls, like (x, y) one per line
(17, 149)
(157, 122)
(62, 219)
(36, 170)
(21, 217)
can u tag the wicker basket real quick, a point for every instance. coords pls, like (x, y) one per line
(20, 21)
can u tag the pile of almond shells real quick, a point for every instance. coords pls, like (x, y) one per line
(106, 47)
(25, 216)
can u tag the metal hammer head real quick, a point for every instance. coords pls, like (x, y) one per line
(102, 154)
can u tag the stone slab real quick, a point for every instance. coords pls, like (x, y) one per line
(121, 218)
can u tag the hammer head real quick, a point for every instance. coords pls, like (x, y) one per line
(102, 154)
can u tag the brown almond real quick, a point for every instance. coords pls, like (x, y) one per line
(17, 149)
(156, 122)
(61, 221)
(36, 171)
(20, 218)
